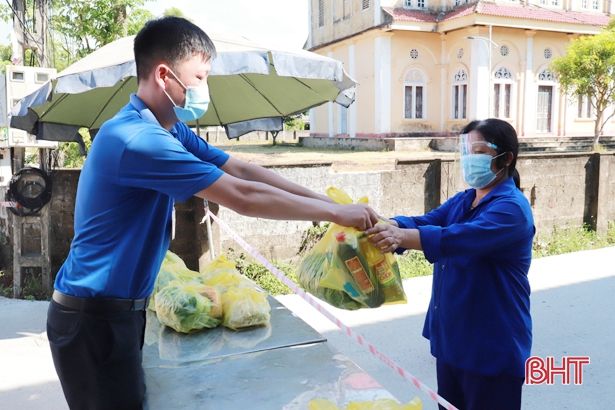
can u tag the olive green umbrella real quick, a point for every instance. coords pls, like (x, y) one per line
(251, 88)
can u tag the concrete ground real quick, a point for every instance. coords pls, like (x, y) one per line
(572, 308)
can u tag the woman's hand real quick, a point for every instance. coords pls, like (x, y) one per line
(386, 237)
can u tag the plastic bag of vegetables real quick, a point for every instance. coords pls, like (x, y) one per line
(245, 307)
(188, 306)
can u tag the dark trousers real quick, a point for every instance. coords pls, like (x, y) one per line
(98, 357)
(471, 391)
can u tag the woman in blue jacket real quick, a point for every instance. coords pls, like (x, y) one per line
(480, 242)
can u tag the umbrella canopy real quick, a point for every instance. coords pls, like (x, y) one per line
(251, 88)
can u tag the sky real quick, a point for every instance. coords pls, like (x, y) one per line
(282, 23)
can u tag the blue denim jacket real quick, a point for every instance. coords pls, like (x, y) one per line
(479, 314)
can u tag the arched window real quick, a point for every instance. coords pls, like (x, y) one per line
(414, 94)
(502, 92)
(546, 75)
(460, 94)
(544, 101)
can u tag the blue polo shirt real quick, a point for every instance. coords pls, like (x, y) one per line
(479, 314)
(134, 172)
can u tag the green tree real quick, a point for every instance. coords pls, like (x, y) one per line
(173, 11)
(82, 26)
(78, 27)
(5, 56)
(588, 69)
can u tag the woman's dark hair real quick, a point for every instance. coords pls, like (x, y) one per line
(169, 39)
(504, 136)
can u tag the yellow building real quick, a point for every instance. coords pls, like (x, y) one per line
(430, 66)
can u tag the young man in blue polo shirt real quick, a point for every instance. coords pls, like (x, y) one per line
(141, 161)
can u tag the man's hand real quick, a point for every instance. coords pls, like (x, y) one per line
(358, 216)
(386, 237)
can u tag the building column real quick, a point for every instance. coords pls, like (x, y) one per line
(330, 131)
(377, 13)
(529, 97)
(443, 82)
(478, 97)
(382, 83)
(352, 110)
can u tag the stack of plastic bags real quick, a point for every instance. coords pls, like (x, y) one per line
(345, 270)
(188, 301)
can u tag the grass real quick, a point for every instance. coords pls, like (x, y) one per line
(6, 289)
(572, 239)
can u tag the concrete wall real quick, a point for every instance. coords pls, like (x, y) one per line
(563, 189)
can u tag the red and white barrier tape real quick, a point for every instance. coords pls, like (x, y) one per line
(357, 337)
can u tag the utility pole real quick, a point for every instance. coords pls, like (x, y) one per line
(18, 34)
(18, 50)
(41, 31)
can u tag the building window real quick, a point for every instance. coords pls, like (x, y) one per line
(502, 92)
(41, 77)
(414, 95)
(18, 76)
(504, 51)
(584, 4)
(555, 2)
(414, 54)
(321, 13)
(546, 75)
(365, 4)
(347, 9)
(548, 53)
(596, 4)
(584, 107)
(460, 53)
(460, 95)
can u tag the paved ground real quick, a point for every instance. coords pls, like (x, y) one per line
(572, 308)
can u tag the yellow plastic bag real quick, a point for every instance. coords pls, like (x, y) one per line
(385, 404)
(222, 274)
(188, 306)
(172, 268)
(245, 307)
(322, 404)
(347, 271)
(379, 404)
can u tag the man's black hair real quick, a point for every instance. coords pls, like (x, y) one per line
(169, 39)
(504, 136)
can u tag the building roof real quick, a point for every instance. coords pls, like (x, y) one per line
(407, 15)
(515, 11)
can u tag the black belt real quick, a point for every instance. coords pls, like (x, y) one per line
(98, 304)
